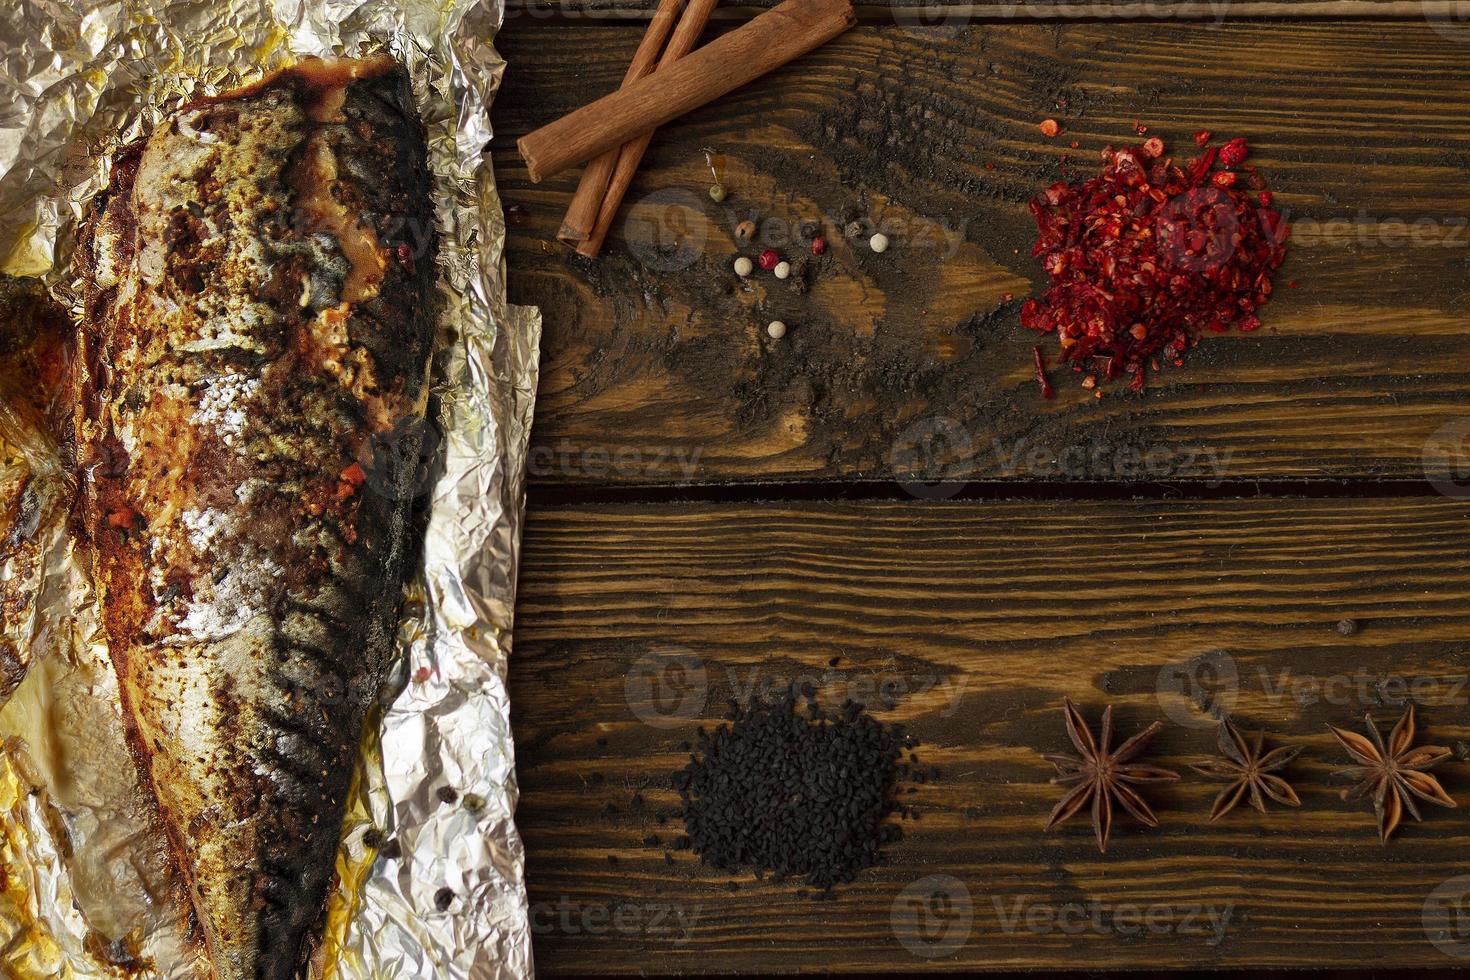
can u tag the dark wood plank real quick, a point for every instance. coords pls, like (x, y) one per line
(989, 614)
(654, 374)
(952, 14)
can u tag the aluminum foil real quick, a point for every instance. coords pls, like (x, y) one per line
(430, 868)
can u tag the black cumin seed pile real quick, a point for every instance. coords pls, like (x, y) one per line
(794, 794)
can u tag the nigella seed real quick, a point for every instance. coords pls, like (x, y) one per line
(805, 796)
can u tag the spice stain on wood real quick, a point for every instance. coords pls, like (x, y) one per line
(981, 618)
(1349, 377)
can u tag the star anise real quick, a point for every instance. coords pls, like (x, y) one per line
(1249, 771)
(1103, 776)
(1393, 774)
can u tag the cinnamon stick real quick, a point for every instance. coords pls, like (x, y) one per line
(767, 42)
(581, 216)
(630, 154)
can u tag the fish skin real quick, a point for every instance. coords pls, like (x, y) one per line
(34, 489)
(259, 286)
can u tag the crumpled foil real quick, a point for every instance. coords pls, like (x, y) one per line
(430, 868)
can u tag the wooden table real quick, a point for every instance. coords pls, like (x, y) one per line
(885, 486)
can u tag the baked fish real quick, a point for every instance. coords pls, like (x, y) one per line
(259, 284)
(34, 489)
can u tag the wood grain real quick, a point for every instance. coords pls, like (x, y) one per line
(984, 616)
(656, 370)
(954, 13)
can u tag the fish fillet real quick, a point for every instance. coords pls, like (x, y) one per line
(259, 307)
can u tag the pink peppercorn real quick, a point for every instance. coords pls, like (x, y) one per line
(769, 259)
(819, 245)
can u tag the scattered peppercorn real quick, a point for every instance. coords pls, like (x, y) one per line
(854, 229)
(1347, 627)
(448, 795)
(1175, 251)
(443, 898)
(745, 231)
(716, 193)
(769, 259)
(819, 245)
(879, 242)
(776, 329)
(1050, 128)
(782, 270)
(744, 267)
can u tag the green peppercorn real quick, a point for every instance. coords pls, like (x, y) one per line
(716, 193)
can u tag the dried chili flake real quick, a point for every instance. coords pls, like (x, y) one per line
(1147, 256)
(1042, 381)
(1224, 178)
(404, 253)
(1233, 154)
(1202, 137)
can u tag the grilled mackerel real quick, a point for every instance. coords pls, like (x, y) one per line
(258, 283)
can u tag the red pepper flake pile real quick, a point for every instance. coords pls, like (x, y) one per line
(1147, 256)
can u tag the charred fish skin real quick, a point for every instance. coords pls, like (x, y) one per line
(34, 489)
(259, 285)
